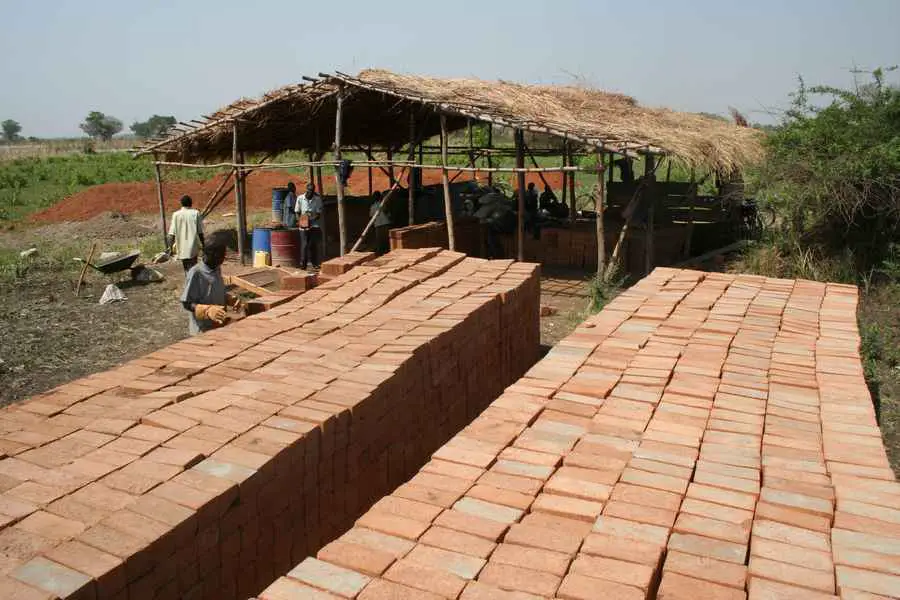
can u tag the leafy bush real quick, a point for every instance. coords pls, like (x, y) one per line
(834, 170)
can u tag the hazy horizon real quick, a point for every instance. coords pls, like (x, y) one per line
(64, 58)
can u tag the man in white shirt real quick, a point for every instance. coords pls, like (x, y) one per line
(309, 219)
(186, 233)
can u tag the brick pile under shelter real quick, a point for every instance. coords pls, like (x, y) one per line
(208, 468)
(705, 436)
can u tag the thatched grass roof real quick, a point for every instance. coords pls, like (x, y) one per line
(376, 111)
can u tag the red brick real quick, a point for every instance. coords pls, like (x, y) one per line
(12, 589)
(640, 514)
(104, 568)
(577, 586)
(764, 588)
(392, 524)
(533, 558)
(476, 590)
(446, 585)
(636, 575)
(50, 526)
(357, 558)
(712, 528)
(467, 523)
(22, 545)
(646, 496)
(543, 537)
(457, 541)
(629, 550)
(707, 569)
(678, 587)
(792, 574)
(867, 581)
(48, 576)
(566, 506)
(521, 579)
(704, 546)
(325, 576)
(501, 496)
(386, 590)
(804, 557)
(288, 589)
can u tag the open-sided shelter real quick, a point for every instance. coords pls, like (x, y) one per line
(389, 114)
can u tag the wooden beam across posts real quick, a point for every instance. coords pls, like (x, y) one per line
(410, 178)
(162, 204)
(342, 221)
(520, 180)
(240, 209)
(599, 200)
(445, 181)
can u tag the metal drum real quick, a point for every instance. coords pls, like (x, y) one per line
(285, 247)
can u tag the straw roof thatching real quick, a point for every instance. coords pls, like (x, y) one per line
(378, 103)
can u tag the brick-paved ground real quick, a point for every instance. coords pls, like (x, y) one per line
(704, 436)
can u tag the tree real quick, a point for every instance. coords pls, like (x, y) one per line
(154, 126)
(11, 130)
(98, 125)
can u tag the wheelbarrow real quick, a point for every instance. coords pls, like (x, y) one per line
(110, 266)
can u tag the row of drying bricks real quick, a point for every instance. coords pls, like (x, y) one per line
(120, 542)
(581, 483)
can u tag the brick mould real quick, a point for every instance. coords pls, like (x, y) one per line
(705, 436)
(208, 468)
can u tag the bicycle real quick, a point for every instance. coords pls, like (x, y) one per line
(754, 220)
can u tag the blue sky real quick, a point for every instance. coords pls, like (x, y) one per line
(133, 58)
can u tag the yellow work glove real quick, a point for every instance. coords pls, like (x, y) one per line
(212, 312)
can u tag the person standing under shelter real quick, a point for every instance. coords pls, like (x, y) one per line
(186, 233)
(382, 223)
(309, 218)
(288, 216)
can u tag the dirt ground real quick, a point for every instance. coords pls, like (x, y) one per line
(565, 291)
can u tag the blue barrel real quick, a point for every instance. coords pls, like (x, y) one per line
(278, 196)
(262, 239)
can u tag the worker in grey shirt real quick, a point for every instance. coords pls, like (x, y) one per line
(204, 294)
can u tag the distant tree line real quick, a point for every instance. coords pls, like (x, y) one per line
(99, 126)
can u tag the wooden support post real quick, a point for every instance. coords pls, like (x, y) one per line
(342, 221)
(599, 199)
(629, 213)
(448, 205)
(240, 212)
(471, 147)
(689, 233)
(565, 163)
(162, 205)
(312, 169)
(490, 160)
(371, 188)
(390, 158)
(649, 168)
(411, 176)
(320, 187)
(520, 179)
(569, 178)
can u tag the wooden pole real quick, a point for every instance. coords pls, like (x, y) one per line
(390, 158)
(448, 205)
(598, 208)
(411, 179)
(320, 186)
(162, 204)
(520, 178)
(239, 196)
(649, 168)
(629, 213)
(692, 199)
(84, 268)
(570, 180)
(471, 147)
(371, 188)
(490, 145)
(565, 163)
(342, 222)
(312, 169)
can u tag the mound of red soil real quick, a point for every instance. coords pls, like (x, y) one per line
(141, 197)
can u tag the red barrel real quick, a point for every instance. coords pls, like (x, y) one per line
(285, 247)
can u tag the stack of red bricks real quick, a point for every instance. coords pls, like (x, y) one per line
(469, 236)
(705, 436)
(341, 264)
(208, 468)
